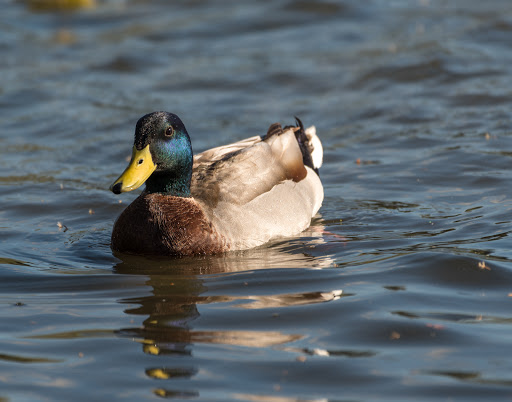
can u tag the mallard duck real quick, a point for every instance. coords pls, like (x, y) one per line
(232, 197)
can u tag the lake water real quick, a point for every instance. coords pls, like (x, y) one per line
(400, 290)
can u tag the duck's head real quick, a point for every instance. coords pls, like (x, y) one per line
(161, 157)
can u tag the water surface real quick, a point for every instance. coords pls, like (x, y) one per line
(400, 290)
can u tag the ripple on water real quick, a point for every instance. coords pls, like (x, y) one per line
(399, 290)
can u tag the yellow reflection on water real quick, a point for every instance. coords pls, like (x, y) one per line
(56, 5)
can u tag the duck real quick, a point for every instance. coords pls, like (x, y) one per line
(232, 197)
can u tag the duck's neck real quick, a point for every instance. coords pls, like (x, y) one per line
(168, 184)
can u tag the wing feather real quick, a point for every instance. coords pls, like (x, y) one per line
(239, 172)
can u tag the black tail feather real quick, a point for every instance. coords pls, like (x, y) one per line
(304, 145)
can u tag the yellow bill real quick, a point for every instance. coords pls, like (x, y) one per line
(138, 171)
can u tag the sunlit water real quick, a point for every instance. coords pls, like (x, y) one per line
(400, 290)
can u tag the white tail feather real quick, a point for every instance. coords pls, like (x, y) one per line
(318, 151)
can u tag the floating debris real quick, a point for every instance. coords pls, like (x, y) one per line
(91, 212)
(320, 352)
(62, 226)
(359, 161)
(435, 326)
(482, 265)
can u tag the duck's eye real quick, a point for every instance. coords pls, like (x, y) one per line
(140, 161)
(169, 131)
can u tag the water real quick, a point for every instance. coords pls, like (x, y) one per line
(400, 290)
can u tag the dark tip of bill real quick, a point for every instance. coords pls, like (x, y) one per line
(116, 189)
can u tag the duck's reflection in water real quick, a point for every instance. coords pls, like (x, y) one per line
(179, 286)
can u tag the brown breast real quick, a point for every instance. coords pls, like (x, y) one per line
(156, 224)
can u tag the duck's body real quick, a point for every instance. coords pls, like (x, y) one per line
(234, 197)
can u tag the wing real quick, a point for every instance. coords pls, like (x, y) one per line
(239, 172)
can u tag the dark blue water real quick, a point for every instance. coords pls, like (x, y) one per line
(400, 290)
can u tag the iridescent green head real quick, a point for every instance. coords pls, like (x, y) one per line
(162, 157)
